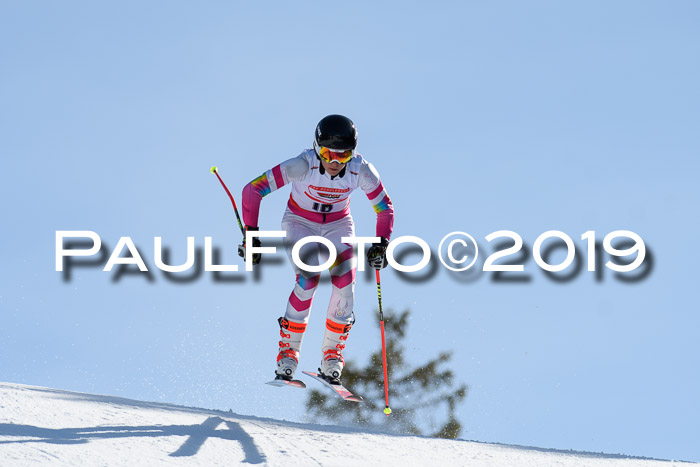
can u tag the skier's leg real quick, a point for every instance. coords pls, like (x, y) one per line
(291, 335)
(293, 324)
(340, 316)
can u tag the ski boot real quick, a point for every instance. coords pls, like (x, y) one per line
(292, 334)
(334, 340)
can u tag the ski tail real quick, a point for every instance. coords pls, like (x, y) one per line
(295, 383)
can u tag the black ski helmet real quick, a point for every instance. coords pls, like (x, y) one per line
(336, 132)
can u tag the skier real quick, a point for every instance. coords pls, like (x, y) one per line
(322, 180)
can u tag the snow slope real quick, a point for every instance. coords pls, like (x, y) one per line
(49, 426)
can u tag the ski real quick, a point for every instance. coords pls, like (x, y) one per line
(295, 383)
(339, 389)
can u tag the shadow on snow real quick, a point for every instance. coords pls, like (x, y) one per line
(196, 435)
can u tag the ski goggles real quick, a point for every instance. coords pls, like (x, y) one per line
(335, 155)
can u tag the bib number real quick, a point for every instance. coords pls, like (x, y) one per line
(322, 207)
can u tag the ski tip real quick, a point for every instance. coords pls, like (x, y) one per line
(339, 389)
(213, 169)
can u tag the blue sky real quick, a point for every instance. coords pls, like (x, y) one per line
(525, 116)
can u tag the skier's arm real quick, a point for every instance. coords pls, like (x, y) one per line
(372, 185)
(271, 180)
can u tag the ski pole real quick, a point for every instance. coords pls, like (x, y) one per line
(215, 171)
(387, 410)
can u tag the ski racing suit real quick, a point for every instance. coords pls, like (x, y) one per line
(319, 205)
